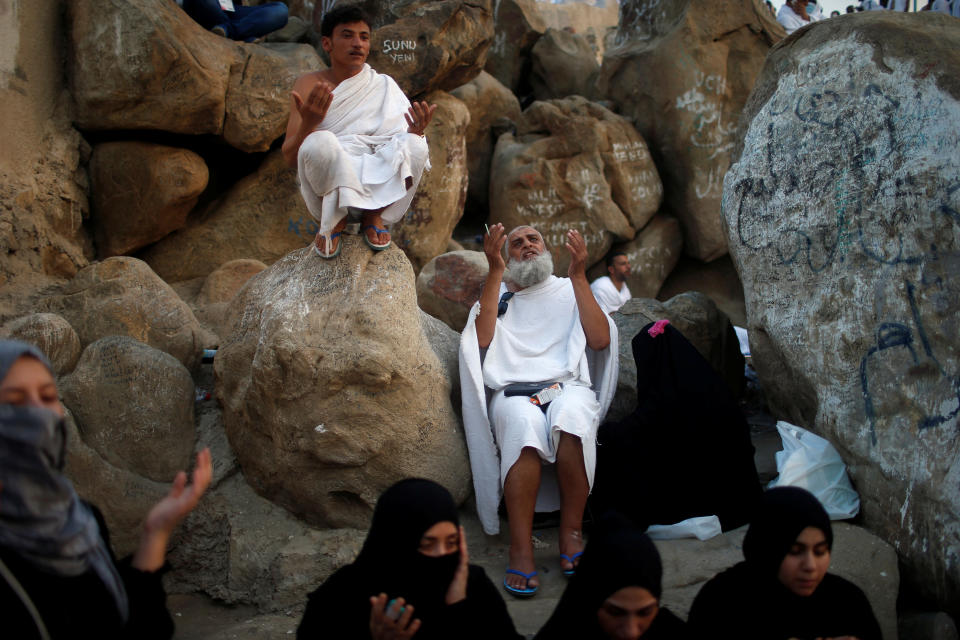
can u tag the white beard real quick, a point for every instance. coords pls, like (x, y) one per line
(526, 273)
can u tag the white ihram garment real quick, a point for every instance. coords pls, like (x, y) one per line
(361, 155)
(538, 339)
(608, 296)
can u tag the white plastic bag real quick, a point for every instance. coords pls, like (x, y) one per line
(810, 462)
(700, 527)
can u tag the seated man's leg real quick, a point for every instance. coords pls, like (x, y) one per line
(373, 228)
(208, 14)
(575, 416)
(249, 23)
(320, 161)
(520, 429)
(574, 490)
(520, 496)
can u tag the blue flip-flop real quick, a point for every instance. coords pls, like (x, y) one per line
(521, 593)
(336, 251)
(375, 247)
(573, 570)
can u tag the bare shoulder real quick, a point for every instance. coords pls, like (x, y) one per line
(307, 80)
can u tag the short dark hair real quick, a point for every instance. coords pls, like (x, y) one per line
(344, 14)
(612, 256)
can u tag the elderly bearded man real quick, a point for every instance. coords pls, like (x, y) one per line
(544, 330)
(355, 139)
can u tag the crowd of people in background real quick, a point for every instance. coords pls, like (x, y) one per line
(799, 13)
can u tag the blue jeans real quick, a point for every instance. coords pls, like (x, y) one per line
(246, 23)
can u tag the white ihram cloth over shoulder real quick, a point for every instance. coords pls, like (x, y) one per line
(539, 338)
(607, 294)
(361, 155)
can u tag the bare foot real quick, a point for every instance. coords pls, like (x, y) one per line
(320, 242)
(372, 219)
(522, 560)
(571, 544)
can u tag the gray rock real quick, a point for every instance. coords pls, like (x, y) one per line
(123, 297)
(423, 233)
(841, 209)
(242, 549)
(927, 626)
(156, 68)
(122, 496)
(682, 71)
(52, 334)
(141, 192)
(493, 108)
(574, 165)
(695, 316)
(563, 64)
(450, 284)
(330, 390)
(445, 343)
(134, 405)
(262, 217)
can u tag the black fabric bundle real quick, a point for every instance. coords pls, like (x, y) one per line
(618, 555)
(749, 601)
(685, 451)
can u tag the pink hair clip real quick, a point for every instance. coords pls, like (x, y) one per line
(658, 327)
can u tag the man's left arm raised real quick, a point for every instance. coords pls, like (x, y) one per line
(592, 318)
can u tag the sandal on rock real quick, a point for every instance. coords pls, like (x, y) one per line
(375, 247)
(323, 254)
(573, 569)
(528, 592)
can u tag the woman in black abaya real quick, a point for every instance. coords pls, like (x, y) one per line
(58, 574)
(687, 443)
(615, 593)
(782, 589)
(411, 579)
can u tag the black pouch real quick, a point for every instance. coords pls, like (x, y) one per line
(525, 388)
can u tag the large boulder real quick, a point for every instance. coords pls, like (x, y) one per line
(241, 549)
(682, 71)
(134, 405)
(450, 284)
(695, 316)
(427, 227)
(141, 192)
(563, 64)
(123, 297)
(52, 334)
(123, 496)
(262, 217)
(717, 279)
(843, 216)
(493, 109)
(653, 254)
(426, 45)
(155, 68)
(518, 26)
(572, 165)
(212, 300)
(330, 390)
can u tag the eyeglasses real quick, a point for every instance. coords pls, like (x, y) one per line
(502, 305)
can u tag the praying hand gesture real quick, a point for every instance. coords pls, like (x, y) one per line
(314, 109)
(169, 511)
(577, 247)
(419, 116)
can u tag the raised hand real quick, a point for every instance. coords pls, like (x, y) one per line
(419, 116)
(314, 109)
(169, 511)
(493, 243)
(577, 247)
(393, 623)
(458, 586)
